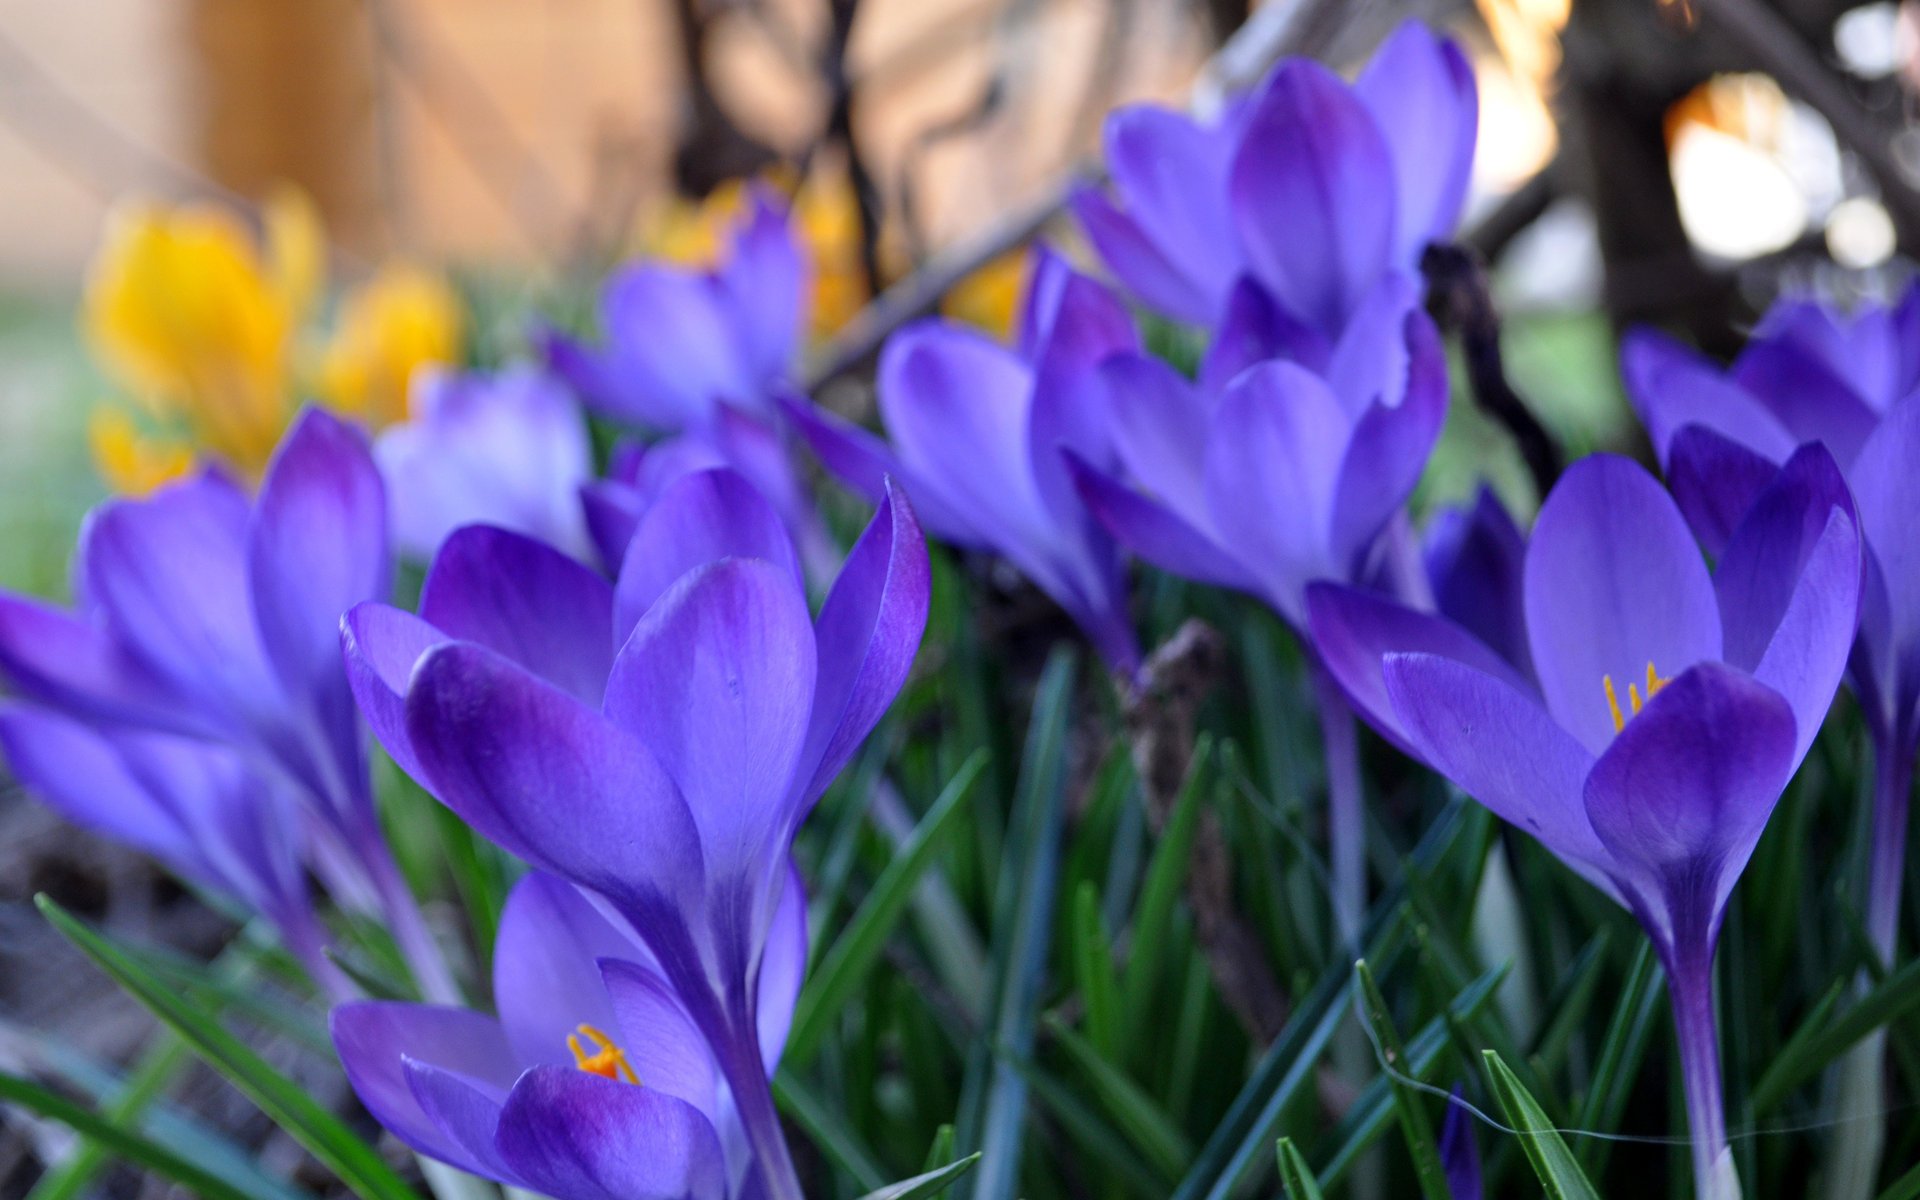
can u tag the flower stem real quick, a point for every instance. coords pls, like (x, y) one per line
(1690, 986)
(1346, 813)
(753, 1100)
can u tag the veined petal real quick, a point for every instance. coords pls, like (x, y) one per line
(376, 1038)
(662, 1043)
(1387, 451)
(577, 1136)
(699, 519)
(546, 967)
(1614, 583)
(381, 645)
(467, 1112)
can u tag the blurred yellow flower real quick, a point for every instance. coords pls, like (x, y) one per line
(990, 297)
(132, 461)
(188, 318)
(402, 320)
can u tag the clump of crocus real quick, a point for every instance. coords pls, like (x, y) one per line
(1311, 187)
(979, 434)
(1666, 707)
(508, 449)
(202, 327)
(206, 612)
(657, 740)
(595, 1079)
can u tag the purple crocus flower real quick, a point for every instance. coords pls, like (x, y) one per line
(1666, 709)
(657, 740)
(204, 612)
(509, 449)
(1312, 187)
(1459, 1154)
(595, 1080)
(977, 431)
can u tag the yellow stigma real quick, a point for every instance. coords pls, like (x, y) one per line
(608, 1060)
(1634, 700)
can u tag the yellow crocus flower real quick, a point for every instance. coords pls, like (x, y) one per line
(131, 460)
(402, 320)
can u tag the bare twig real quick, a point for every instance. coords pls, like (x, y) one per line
(711, 148)
(840, 129)
(1160, 707)
(1458, 291)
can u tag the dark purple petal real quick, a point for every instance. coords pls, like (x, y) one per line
(1812, 402)
(1672, 387)
(550, 779)
(1142, 267)
(1475, 561)
(1715, 480)
(1076, 325)
(662, 1043)
(868, 632)
(1156, 533)
(1682, 794)
(375, 1039)
(1068, 322)
(1886, 489)
(612, 510)
(1904, 321)
(1312, 194)
(466, 1111)
(1459, 1156)
(546, 967)
(1420, 90)
(718, 682)
(1388, 449)
(578, 1136)
(381, 645)
(67, 661)
(522, 598)
(1354, 631)
(1254, 330)
(1614, 583)
(1502, 749)
(699, 519)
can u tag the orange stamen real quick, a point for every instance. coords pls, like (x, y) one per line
(608, 1060)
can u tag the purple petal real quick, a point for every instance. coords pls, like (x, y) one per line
(1614, 582)
(1373, 359)
(673, 334)
(1141, 267)
(375, 1039)
(766, 281)
(1682, 794)
(1312, 193)
(700, 519)
(1068, 322)
(1475, 562)
(550, 779)
(590, 373)
(1886, 489)
(864, 463)
(1273, 463)
(1075, 324)
(663, 1045)
(1715, 480)
(526, 600)
(1254, 330)
(1459, 1156)
(868, 632)
(1388, 449)
(1354, 631)
(1673, 387)
(70, 662)
(381, 645)
(580, 1136)
(466, 1111)
(1502, 749)
(783, 968)
(546, 967)
(612, 510)
(718, 682)
(1172, 173)
(1421, 92)
(1156, 533)
(1806, 396)
(1159, 423)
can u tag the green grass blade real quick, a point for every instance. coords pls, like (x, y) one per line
(1153, 915)
(1558, 1170)
(1821, 1038)
(1093, 971)
(159, 1064)
(925, 1187)
(1907, 1187)
(1294, 1175)
(1136, 1114)
(357, 1164)
(828, 1131)
(1408, 1104)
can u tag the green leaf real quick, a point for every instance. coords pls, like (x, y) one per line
(925, 1187)
(159, 1064)
(1821, 1039)
(358, 1165)
(850, 959)
(1093, 970)
(829, 1131)
(1153, 915)
(119, 1141)
(1408, 1104)
(1621, 1050)
(1133, 1111)
(1907, 1187)
(1294, 1175)
(1552, 1161)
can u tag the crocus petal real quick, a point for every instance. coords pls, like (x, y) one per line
(1157, 533)
(1370, 361)
(578, 1136)
(550, 779)
(699, 519)
(1672, 387)
(765, 278)
(671, 330)
(1312, 193)
(1159, 429)
(524, 599)
(1273, 462)
(590, 373)
(1353, 632)
(783, 968)
(467, 1112)
(864, 463)
(1886, 487)
(1475, 559)
(375, 1039)
(1459, 1155)
(718, 682)
(867, 634)
(1420, 90)
(1614, 582)
(68, 661)
(612, 510)
(1172, 172)
(317, 546)
(1141, 266)
(662, 1043)
(1387, 451)
(1715, 480)
(1254, 330)
(1809, 399)
(1680, 797)
(1502, 749)
(381, 645)
(546, 967)
(1077, 324)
